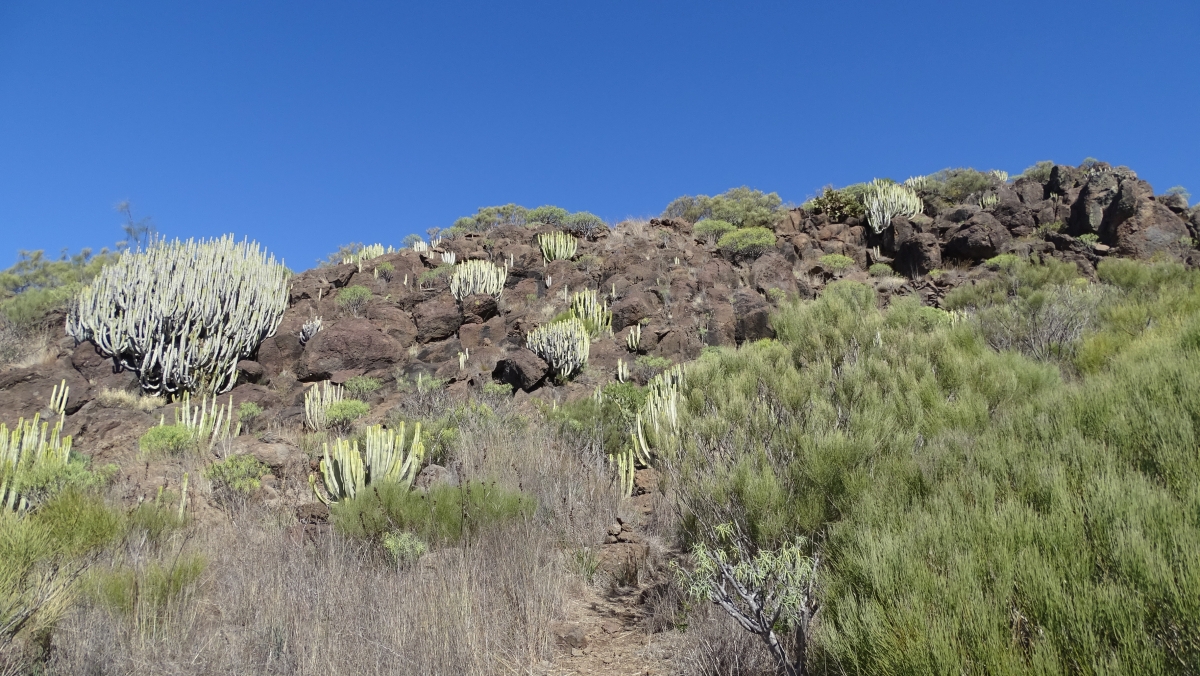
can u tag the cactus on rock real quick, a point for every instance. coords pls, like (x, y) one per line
(181, 314)
(563, 345)
(476, 276)
(557, 246)
(884, 199)
(25, 449)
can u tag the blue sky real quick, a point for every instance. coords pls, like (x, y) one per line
(305, 125)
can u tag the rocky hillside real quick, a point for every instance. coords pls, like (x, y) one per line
(677, 287)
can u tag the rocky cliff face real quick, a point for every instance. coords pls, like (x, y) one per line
(683, 292)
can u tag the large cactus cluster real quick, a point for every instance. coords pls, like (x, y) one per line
(366, 253)
(477, 276)
(317, 401)
(181, 314)
(30, 446)
(557, 245)
(655, 426)
(390, 456)
(587, 306)
(885, 199)
(563, 345)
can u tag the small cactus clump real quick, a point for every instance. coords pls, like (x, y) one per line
(476, 276)
(587, 306)
(884, 199)
(317, 401)
(564, 345)
(557, 246)
(25, 449)
(388, 458)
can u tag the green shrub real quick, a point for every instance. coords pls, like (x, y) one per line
(712, 230)
(436, 516)
(837, 204)
(608, 420)
(743, 207)
(1039, 172)
(973, 506)
(583, 224)
(404, 548)
(359, 386)
(167, 440)
(35, 285)
(956, 185)
(1089, 238)
(145, 591)
(342, 414)
(431, 276)
(353, 299)
(237, 474)
(747, 242)
(249, 411)
(497, 389)
(43, 553)
(836, 262)
(647, 366)
(880, 270)
(548, 215)
(489, 217)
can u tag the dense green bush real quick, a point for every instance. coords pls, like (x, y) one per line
(747, 242)
(956, 185)
(167, 440)
(342, 414)
(976, 511)
(836, 262)
(354, 299)
(491, 217)
(880, 270)
(743, 207)
(1039, 172)
(548, 214)
(712, 229)
(583, 224)
(237, 474)
(837, 204)
(359, 386)
(444, 514)
(430, 276)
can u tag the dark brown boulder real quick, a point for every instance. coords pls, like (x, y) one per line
(394, 322)
(753, 316)
(1122, 209)
(980, 238)
(521, 368)
(773, 271)
(492, 332)
(437, 319)
(1175, 203)
(249, 371)
(920, 254)
(478, 309)
(631, 310)
(347, 344)
(26, 391)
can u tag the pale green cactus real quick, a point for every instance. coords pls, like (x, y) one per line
(317, 401)
(477, 277)
(587, 306)
(366, 253)
(884, 200)
(388, 457)
(58, 398)
(29, 445)
(181, 314)
(557, 245)
(208, 424)
(634, 339)
(563, 345)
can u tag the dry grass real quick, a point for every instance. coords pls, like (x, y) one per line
(714, 645)
(23, 348)
(132, 401)
(267, 604)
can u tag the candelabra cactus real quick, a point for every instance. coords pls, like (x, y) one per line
(366, 253)
(388, 457)
(595, 314)
(181, 314)
(449, 257)
(26, 449)
(476, 276)
(563, 345)
(317, 401)
(634, 339)
(557, 245)
(884, 200)
(58, 398)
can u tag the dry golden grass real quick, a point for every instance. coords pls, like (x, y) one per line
(133, 401)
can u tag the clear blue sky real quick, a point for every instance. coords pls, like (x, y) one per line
(309, 124)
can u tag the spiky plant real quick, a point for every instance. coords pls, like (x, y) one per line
(317, 401)
(388, 458)
(31, 446)
(477, 276)
(587, 306)
(182, 314)
(557, 246)
(209, 424)
(366, 253)
(884, 199)
(563, 345)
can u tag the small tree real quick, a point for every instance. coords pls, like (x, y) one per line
(767, 592)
